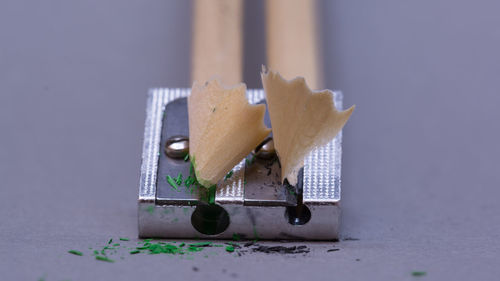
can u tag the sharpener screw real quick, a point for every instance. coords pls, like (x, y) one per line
(265, 150)
(177, 147)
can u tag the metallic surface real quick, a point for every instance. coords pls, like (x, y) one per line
(322, 169)
(263, 187)
(253, 196)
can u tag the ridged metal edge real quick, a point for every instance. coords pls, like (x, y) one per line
(322, 168)
(157, 99)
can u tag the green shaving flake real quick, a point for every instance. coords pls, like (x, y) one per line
(116, 244)
(102, 258)
(211, 195)
(191, 168)
(189, 181)
(124, 239)
(186, 158)
(182, 244)
(418, 273)
(178, 179)
(172, 182)
(75, 252)
(230, 174)
(230, 249)
(201, 244)
(194, 249)
(110, 241)
(250, 161)
(165, 248)
(150, 209)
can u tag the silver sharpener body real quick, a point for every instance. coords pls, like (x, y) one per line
(251, 204)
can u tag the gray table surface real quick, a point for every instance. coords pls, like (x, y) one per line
(420, 168)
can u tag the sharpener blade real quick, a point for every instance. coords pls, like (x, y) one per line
(252, 203)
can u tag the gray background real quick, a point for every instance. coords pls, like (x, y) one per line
(420, 167)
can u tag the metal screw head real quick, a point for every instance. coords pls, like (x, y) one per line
(177, 147)
(265, 150)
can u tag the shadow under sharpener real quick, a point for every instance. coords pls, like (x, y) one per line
(251, 204)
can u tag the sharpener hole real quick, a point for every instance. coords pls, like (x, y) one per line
(210, 219)
(298, 215)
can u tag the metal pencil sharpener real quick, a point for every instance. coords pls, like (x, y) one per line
(251, 203)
